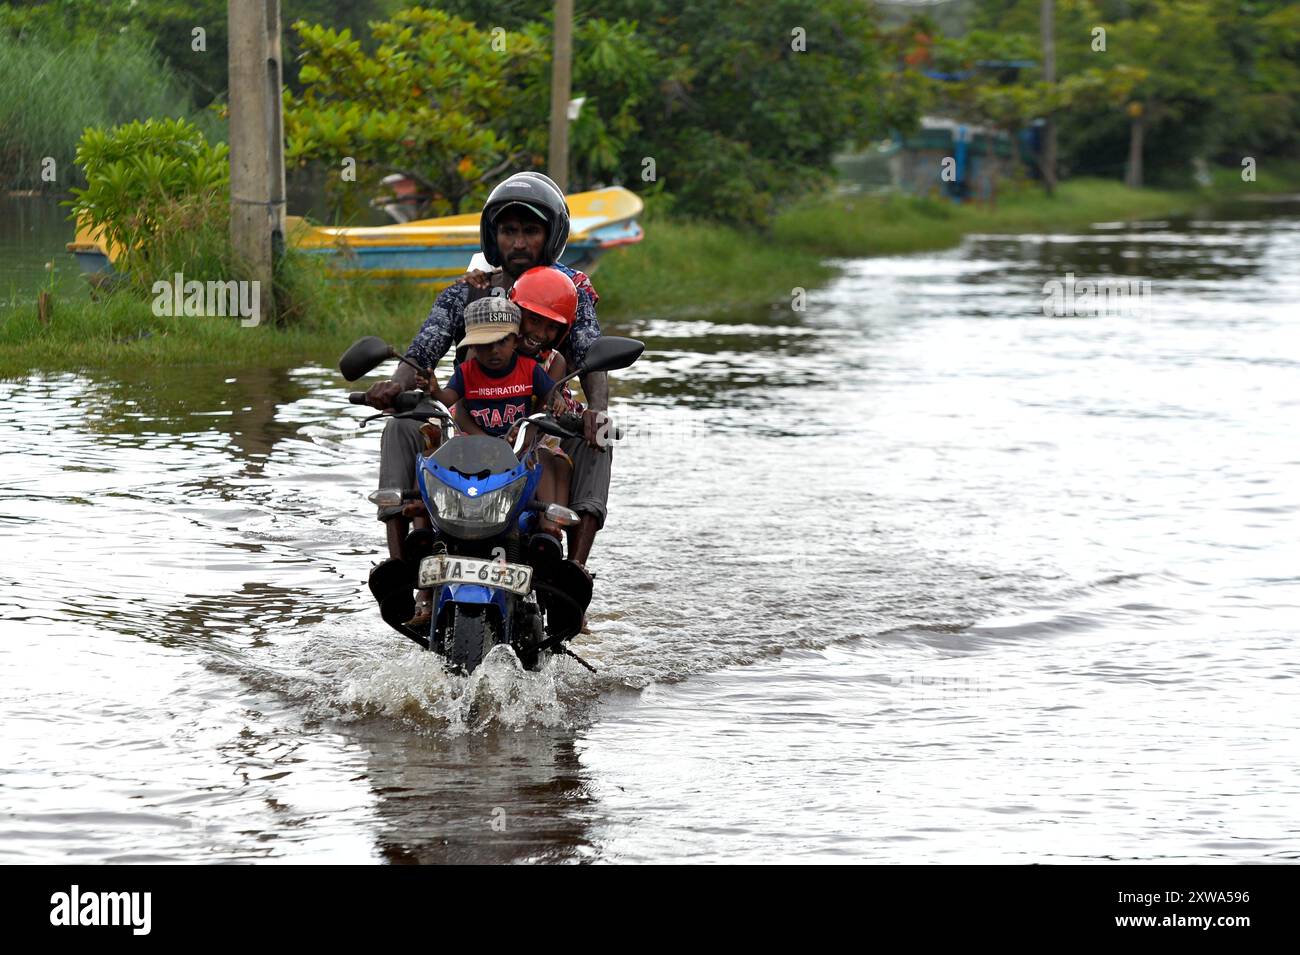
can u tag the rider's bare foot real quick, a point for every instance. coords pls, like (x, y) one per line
(423, 609)
(590, 576)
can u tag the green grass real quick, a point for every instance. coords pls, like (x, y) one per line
(121, 330)
(848, 226)
(686, 269)
(1271, 176)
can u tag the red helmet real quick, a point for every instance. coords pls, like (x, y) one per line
(549, 293)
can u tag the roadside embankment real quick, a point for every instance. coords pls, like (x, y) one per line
(681, 269)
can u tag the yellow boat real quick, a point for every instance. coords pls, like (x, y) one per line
(433, 251)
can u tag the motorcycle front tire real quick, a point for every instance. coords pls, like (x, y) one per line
(471, 633)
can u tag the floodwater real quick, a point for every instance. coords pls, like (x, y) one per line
(34, 231)
(917, 574)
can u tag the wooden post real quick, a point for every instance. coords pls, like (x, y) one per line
(1047, 26)
(256, 139)
(561, 78)
(44, 307)
(1136, 137)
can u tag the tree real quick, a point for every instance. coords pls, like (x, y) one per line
(1261, 111)
(1200, 79)
(433, 103)
(754, 98)
(613, 72)
(1186, 68)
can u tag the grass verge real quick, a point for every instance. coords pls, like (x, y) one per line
(121, 330)
(848, 226)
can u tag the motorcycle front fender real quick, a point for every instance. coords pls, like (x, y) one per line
(472, 594)
(475, 594)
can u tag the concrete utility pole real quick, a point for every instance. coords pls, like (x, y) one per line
(256, 138)
(1047, 24)
(561, 77)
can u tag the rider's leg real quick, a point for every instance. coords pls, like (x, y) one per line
(398, 448)
(397, 529)
(588, 494)
(582, 536)
(431, 438)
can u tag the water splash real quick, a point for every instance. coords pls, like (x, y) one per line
(340, 671)
(417, 689)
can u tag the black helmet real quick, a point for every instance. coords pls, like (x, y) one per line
(538, 193)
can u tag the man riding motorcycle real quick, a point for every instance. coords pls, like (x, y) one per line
(525, 224)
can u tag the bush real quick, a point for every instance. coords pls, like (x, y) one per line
(158, 190)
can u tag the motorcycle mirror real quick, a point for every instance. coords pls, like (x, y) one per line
(609, 352)
(365, 355)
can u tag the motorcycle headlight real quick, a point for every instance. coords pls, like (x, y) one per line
(472, 517)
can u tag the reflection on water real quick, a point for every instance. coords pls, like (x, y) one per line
(530, 799)
(34, 231)
(918, 574)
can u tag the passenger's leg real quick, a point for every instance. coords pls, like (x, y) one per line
(553, 488)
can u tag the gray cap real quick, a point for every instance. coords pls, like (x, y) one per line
(490, 319)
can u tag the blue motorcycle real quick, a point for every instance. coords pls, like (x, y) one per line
(475, 542)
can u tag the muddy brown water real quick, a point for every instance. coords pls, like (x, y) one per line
(917, 574)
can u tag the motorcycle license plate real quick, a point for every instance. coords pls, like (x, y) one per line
(441, 569)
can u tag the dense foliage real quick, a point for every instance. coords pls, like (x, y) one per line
(722, 108)
(50, 91)
(1212, 79)
(746, 102)
(169, 25)
(431, 102)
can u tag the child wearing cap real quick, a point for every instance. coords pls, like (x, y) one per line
(495, 389)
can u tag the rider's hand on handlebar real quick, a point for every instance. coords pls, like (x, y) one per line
(382, 394)
(595, 428)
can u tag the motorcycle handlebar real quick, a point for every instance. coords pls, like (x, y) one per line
(409, 400)
(570, 421)
(573, 423)
(405, 401)
(405, 404)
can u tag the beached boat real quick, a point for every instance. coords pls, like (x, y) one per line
(433, 251)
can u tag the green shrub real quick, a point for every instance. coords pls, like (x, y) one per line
(159, 191)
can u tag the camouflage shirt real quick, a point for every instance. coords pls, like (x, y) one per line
(445, 325)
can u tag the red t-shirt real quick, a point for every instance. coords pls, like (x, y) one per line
(496, 402)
